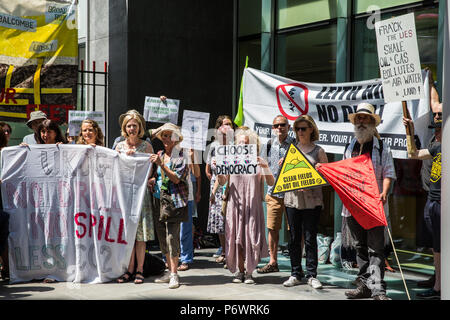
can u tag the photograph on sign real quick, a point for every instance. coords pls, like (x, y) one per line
(398, 58)
(296, 173)
(194, 129)
(76, 117)
(236, 159)
(155, 110)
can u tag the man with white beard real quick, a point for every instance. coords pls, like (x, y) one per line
(370, 243)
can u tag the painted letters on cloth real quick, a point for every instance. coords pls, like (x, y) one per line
(74, 211)
(267, 95)
(38, 58)
(354, 181)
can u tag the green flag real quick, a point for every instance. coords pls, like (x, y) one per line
(239, 119)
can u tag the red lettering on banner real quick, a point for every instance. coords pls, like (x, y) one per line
(108, 228)
(8, 94)
(92, 223)
(80, 214)
(121, 227)
(53, 111)
(100, 228)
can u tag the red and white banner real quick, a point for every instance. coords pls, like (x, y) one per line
(74, 211)
(354, 181)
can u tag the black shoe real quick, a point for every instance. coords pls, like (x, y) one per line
(359, 293)
(381, 297)
(427, 283)
(430, 294)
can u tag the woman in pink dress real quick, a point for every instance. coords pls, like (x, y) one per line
(244, 222)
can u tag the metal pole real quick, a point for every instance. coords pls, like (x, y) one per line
(82, 84)
(445, 183)
(93, 85)
(105, 106)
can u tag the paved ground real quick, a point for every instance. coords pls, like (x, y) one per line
(207, 280)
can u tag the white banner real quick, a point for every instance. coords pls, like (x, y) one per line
(74, 211)
(267, 95)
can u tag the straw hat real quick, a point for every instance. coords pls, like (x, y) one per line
(133, 111)
(168, 127)
(36, 115)
(367, 109)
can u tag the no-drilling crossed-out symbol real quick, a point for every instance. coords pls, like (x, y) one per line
(295, 105)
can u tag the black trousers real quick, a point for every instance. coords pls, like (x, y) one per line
(303, 222)
(369, 255)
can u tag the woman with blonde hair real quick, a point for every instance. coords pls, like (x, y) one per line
(244, 221)
(90, 133)
(303, 208)
(133, 129)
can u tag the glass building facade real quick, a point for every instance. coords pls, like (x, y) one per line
(334, 41)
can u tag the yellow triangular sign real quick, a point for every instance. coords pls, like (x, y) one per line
(296, 173)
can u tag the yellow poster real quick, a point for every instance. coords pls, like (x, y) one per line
(296, 173)
(38, 57)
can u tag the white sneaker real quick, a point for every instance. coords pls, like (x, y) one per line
(165, 278)
(174, 281)
(292, 281)
(315, 283)
(248, 279)
(238, 277)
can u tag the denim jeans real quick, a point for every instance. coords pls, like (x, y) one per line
(369, 255)
(186, 239)
(303, 222)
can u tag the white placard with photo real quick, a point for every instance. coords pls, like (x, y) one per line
(76, 117)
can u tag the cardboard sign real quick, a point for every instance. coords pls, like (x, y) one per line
(194, 129)
(157, 111)
(236, 159)
(76, 117)
(296, 173)
(398, 58)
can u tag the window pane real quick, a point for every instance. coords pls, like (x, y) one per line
(252, 50)
(249, 17)
(297, 12)
(362, 5)
(365, 46)
(308, 56)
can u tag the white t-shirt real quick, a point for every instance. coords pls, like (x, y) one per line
(29, 139)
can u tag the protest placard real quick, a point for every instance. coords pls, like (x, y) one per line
(236, 159)
(398, 58)
(76, 117)
(296, 173)
(155, 110)
(194, 129)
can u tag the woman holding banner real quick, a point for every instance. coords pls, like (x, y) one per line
(303, 208)
(173, 191)
(133, 129)
(244, 222)
(90, 133)
(224, 135)
(4, 221)
(48, 132)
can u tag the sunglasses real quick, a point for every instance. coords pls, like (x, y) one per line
(437, 114)
(301, 128)
(279, 125)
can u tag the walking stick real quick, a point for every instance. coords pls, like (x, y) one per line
(398, 263)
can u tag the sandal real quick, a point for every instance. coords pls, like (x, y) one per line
(123, 279)
(268, 268)
(138, 278)
(183, 267)
(220, 259)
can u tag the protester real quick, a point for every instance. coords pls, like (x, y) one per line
(70, 139)
(370, 243)
(303, 208)
(47, 132)
(90, 133)
(133, 127)
(173, 193)
(36, 118)
(224, 130)
(244, 223)
(4, 221)
(186, 232)
(274, 151)
(7, 131)
(432, 211)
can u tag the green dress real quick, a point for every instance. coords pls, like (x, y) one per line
(145, 230)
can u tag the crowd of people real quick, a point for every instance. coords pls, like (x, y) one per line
(236, 212)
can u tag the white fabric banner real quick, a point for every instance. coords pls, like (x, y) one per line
(267, 95)
(74, 211)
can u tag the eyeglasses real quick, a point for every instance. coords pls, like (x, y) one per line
(301, 128)
(437, 114)
(276, 125)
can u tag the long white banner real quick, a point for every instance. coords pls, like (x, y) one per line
(267, 95)
(74, 211)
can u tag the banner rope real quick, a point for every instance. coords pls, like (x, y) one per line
(398, 263)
